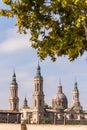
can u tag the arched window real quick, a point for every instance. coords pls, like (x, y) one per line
(37, 86)
(14, 106)
(40, 86)
(35, 103)
(15, 92)
(40, 102)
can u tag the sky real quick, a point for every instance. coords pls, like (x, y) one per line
(16, 52)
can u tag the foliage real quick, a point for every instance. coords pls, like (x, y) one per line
(57, 27)
(45, 120)
(25, 122)
(76, 122)
(3, 121)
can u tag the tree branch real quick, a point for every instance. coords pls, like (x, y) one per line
(85, 27)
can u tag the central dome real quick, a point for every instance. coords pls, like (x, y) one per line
(59, 101)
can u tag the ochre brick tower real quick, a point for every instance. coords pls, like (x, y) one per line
(14, 100)
(38, 96)
(75, 99)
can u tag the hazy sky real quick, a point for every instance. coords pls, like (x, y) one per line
(15, 52)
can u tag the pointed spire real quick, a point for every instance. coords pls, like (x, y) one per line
(59, 81)
(60, 87)
(38, 74)
(14, 78)
(25, 105)
(14, 75)
(75, 85)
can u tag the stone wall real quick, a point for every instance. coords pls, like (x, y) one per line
(43, 127)
(56, 127)
(10, 126)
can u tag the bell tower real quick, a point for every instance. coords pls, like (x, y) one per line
(75, 98)
(14, 100)
(38, 97)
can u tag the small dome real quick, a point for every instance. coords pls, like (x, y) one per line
(59, 99)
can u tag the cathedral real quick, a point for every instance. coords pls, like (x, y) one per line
(58, 113)
(41, 113)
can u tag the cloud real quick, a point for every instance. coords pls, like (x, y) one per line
(14, 42)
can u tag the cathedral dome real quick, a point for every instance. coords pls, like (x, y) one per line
(59, 96)
(59, 100)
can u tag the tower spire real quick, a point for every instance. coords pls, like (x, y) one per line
(38, 73)
(25, 105)
(59, 81)
(14, 99)
(75, 85)
(14, 78)
(60, 87)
